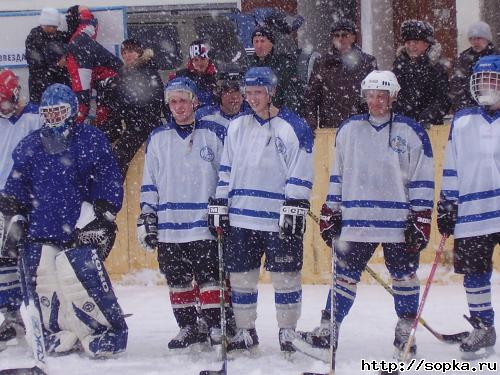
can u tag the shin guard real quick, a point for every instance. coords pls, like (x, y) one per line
(287, 297)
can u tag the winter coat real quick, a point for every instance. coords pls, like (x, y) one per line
(424, 86)
(290, 90)
(206, 82)
(43, 52)
(333, 94)
(460, 78)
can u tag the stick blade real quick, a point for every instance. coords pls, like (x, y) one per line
(35, 370)
(455, 338)
(211, 372)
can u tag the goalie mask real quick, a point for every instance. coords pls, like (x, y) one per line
(485, 81)
(9, 93)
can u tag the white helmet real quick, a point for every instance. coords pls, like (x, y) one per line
(381, 80)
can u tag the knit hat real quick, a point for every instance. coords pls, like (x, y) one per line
(263, 31)
(49, 17)
(344, 24)
(198, 48)
(417, 30)
(480, 29)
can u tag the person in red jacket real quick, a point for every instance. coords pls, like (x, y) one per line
(89, 64)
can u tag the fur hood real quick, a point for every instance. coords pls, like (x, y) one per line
(433, 53)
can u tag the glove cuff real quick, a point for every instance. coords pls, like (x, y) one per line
(302, 203)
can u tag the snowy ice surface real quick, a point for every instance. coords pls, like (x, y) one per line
(367, 333)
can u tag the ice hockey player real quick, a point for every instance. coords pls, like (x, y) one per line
(66, 188)
(262, 200)
(385, 199)
(469, 203)
(229, 98)
(17, 120)
(180, 174)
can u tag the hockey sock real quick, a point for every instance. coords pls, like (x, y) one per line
(287, 297)
(478, 291)
(183, 301)
(406, 295)
(244, 297)
(210, 303)
(345, 293)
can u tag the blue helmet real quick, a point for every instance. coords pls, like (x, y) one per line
(261, 76)
(485, 80)
(58, 108)
(181, 84)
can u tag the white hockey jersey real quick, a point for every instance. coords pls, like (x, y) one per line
(378, 174)
(213, 113)
(471, 174)
(12, 130)
(263, 163)
(180, 174)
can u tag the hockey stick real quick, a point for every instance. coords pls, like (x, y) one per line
(448, 339)
(222, 289)
(35, 333)
(424, 298)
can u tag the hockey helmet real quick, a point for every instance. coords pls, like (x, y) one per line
(58, 108)
(181, 84)
(261, 76)
(485, 80)
(417, 30)
(9, 93)
(228, 81)
(381, 80)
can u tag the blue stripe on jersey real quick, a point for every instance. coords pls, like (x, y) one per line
(419, 130)
(222, 183)
(420, 184)
(253, 213)
(478, 217)
(374, 223)
(450, 193)
(449, 173)
(181, 226)
(224, 168)
(218, 129)
(479, 195)
(334, 198)
(281, 298)
(299, 182)
(256, 193)
(182, 206)
(5, 271)
(375, 204)
(146, 188)
(243, 298)
(336, 179)
(422, 203)
(302, 130)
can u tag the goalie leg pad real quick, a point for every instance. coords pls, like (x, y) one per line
(10, 285)
(98, 319)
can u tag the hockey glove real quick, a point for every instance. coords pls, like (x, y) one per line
(417, 231)
(293, 218)
(147, 231)
(13, 227)
(446, 217)
(101, 231)
(218, 215)
(330, 224)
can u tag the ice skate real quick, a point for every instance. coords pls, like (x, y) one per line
(245, 339)
(480, 343)
(401, 336)
(286, 336)
(186, 337)
(315, 343)
(11, 328)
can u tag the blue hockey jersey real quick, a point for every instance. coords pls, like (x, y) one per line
(52, 187)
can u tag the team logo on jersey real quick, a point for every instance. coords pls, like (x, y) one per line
(399, 144)
(280, 145)
(88, 307)
(45, 301)
(207, 154)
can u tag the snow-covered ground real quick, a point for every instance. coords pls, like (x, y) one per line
(366, 333)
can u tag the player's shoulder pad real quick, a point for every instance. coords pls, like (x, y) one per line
(467, 111)
(206, 111)
(161, 128)
(300, 127)
(218, 129)
(351, 120)
(418, 130)
(30, 108)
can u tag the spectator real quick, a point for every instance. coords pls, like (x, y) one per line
(290, 89)
(201, 70)
(137, 100)
(421, 74)
(45, 54)
(89, 63)
(480, 39)
(333, 93)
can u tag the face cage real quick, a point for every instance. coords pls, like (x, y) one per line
(55, 115)
(485, 88)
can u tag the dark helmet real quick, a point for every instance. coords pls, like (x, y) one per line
(228, 81)
(417, 30)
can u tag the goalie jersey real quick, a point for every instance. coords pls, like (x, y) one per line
(379, 173)
(471, 174)
(180, 174)
(265, 162)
